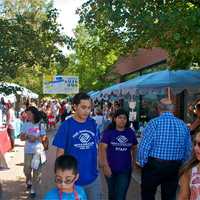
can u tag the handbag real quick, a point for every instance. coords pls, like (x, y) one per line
(44, 140)
(35, 162)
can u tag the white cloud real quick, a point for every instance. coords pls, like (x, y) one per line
(67, 16)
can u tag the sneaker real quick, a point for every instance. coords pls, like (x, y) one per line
(32, 194)
(28, 185)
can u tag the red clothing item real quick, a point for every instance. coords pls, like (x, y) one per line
(51, 120)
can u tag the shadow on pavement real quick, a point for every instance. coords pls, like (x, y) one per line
(9, 189)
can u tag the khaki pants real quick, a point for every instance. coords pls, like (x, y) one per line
(31, 174)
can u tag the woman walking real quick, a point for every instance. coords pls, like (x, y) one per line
(117, 155)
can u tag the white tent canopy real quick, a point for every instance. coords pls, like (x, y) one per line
(24, 92)
(10, 97)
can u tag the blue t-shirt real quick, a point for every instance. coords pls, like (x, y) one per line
(54, 194)
(80, 140)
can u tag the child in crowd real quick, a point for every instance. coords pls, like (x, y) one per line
(190, 174)
(66, 174)
(34, 156)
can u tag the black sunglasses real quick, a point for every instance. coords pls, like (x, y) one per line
(67, 181)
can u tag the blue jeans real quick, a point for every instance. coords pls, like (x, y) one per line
(93, 190)
(118, 185)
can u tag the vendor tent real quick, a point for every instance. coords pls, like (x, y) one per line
(13, 88)
(95, 95)
(157, 82)
(177, 81)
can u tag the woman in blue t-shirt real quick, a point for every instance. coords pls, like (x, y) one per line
(117, 153)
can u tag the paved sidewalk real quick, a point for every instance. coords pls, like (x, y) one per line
(13, 180)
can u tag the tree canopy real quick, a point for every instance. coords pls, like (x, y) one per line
(170, 24)
(30, 39)
(92, 59)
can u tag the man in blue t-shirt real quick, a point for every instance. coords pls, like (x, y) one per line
(79, 136)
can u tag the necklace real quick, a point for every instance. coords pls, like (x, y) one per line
(74, 191)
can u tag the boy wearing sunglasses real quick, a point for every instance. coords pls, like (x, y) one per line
(66, 174)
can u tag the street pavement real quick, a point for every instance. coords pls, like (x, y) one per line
(13, 180)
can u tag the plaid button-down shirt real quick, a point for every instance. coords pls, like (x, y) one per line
(165, 137)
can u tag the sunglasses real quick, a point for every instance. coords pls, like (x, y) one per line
(67, 181)
(197, 143)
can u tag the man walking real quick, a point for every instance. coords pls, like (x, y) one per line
(78, 135)
(164, 146)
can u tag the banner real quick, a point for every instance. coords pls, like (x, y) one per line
(60, 84)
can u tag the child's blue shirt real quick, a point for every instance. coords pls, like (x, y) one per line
(54, 194)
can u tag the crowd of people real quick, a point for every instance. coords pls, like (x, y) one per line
(90, 139)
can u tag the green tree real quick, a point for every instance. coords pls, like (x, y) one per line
(91, 60)
(30, 38)
(170, 24)
(34, 10)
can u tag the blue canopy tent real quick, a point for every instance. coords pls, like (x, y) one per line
(154, 83)
(111, 91)
(177, 81)
(94, 94)
(91, 92)
(162, 82)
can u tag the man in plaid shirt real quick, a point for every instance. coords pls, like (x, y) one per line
(164, 146)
